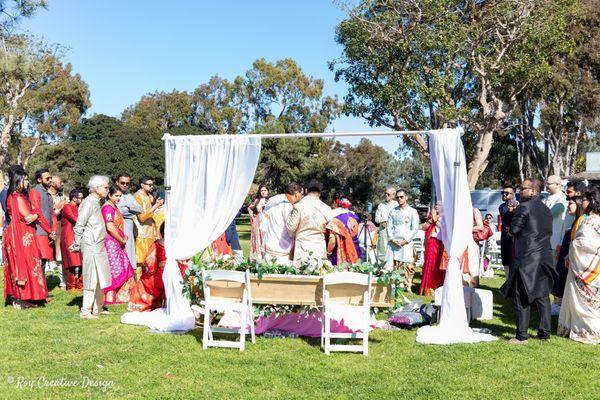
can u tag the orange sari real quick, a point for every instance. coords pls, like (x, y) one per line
(149, 292)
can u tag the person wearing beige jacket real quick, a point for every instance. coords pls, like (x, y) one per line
(307, 223)
(90, 233)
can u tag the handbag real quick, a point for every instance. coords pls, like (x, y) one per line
(484, 234)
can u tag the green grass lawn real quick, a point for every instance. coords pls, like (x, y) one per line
(39, 347)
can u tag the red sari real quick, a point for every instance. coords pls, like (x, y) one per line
(149, 292)
(23, 275)
(433, 270)
(220, 247)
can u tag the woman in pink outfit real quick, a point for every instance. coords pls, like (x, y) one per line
(120, 267)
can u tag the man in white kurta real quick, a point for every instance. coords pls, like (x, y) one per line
(307, 222)
(381, 219)
(402, 227)
(90, 232)
(557, 203)
(278, 242)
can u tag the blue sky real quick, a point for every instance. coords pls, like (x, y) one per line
(127, 48)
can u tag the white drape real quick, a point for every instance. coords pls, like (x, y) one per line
(450, 177)
(209, 178)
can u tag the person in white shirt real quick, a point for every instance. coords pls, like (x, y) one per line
(381, 219)
(402, 227)
(277, 241)
(557, 203)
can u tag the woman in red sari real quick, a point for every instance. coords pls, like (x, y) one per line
(149, 292)
(120, 267)
(433, 270)
(71, 260)
(24, 279)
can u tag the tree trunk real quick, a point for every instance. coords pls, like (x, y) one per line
(32, 151)
(479, 161)
(527, 165)
(9, 123)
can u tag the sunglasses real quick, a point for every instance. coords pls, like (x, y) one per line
(125, 183)
(575, 198)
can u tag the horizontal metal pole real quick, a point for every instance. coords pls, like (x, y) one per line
(340, 134)
(329, 134)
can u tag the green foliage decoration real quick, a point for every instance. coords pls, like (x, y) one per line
(192, 283)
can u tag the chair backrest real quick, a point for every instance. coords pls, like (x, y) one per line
(354, 278)
(345, 288)
(417, 243)
(224, 275)
(221, 287)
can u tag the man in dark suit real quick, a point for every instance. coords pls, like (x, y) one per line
(506, 213)
(532, 272)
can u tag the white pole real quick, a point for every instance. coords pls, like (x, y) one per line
(323, 134)
(167, 183)
(336, 134)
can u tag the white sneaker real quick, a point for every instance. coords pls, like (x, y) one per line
(555, 309)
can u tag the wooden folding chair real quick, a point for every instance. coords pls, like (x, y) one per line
(231, 293)
(330, 306)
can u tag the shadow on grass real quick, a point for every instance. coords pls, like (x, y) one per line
(76, 301)
(52, 282)
(311, 341)
(244, 235)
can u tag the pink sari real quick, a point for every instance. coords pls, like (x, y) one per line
(120, 267)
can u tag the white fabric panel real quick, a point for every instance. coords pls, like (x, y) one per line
(448, 167)
(209, 177)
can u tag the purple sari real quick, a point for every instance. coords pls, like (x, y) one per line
(120, 266)
(350, 221)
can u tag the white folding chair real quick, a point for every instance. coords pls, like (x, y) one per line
(482, 252)
(241, 302)
(331, 307)
(494, 251)
(419, 250)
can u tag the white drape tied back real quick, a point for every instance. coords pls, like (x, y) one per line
(207, 179)
(448, 168)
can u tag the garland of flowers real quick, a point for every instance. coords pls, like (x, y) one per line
(192, 285)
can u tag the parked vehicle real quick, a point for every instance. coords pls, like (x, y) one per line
(487, 201)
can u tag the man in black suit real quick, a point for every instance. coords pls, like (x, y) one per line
(532, 272)
(506, 213)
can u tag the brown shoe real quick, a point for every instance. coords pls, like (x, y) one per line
(517, 341)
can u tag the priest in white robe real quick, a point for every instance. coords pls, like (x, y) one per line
(402, 227)
(381, 220)
(277, 241)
